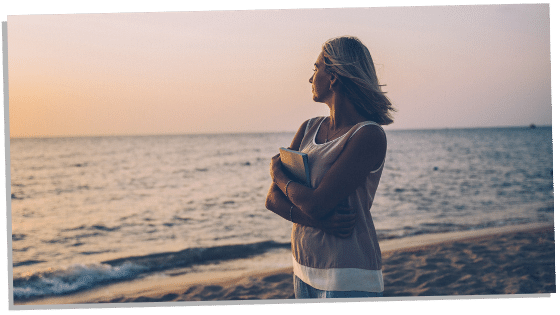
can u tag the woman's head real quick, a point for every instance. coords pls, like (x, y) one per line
(350, 61)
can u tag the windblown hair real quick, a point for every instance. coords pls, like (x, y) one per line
(351, 62)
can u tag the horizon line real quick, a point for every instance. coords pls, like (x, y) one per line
(260, 132)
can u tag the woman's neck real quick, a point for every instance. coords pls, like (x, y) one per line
(342, 113)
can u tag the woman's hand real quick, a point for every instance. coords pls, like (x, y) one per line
(341, 223)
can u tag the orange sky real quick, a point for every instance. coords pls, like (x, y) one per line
(248, 71)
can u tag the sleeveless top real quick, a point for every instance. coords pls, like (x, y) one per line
(327, 262)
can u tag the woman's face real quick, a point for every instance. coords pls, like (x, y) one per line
(320, 81)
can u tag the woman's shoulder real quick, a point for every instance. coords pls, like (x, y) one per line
(368, 129)
(370, 142)
(301, 133)
(305, 131)
(368, 136)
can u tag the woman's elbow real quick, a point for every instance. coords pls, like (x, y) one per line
(270, 197)
(269, 202)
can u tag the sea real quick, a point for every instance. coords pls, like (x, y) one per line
(89, 212)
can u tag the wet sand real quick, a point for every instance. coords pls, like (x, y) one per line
(509, 260)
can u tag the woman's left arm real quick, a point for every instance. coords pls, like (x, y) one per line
(363, 153)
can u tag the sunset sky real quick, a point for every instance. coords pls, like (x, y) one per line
(248, 70)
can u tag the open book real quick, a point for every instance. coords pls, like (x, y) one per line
(296, 163)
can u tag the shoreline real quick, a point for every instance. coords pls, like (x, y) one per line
(424, 240)
(503, 260)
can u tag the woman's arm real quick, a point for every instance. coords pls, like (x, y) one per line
(279, 204)
(363, 153)
(338, 224)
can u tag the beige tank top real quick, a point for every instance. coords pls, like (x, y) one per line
(327, 262)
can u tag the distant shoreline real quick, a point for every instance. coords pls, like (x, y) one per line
(388, 129)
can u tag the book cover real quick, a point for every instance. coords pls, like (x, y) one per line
(297, 164)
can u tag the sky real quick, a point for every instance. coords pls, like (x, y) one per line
(248, 70)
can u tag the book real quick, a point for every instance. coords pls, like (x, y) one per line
(297, 164)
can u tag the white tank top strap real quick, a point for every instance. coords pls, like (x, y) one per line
(311, 122)
(380, 167)
(365, 123)
(307, 126)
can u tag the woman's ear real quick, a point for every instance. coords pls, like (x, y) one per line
(334, 80)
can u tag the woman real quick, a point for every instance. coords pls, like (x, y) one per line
(334, 244)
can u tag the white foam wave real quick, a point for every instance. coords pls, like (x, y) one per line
(74, 278)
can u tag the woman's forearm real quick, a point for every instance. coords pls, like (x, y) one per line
(278, 203)
(299, 195)
(338, 224)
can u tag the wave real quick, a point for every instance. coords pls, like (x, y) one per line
(445, 227)
(80, 277)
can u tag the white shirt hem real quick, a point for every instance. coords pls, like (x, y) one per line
(340, 279)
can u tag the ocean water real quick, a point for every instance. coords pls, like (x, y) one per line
(91, 211)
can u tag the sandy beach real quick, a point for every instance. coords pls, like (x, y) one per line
(497, 261)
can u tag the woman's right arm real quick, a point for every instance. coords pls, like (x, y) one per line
(277, 202)
(338, 224)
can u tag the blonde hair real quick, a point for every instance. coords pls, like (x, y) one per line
(351, 62)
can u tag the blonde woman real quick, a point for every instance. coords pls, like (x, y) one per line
(334, 243)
